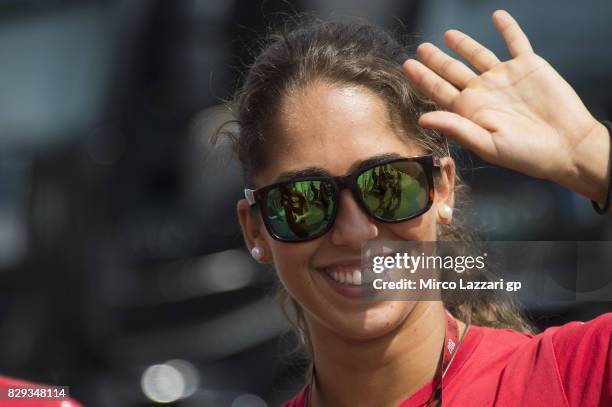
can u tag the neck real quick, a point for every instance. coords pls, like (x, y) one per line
(387, 369)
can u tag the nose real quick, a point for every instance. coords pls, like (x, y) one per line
(353, 226)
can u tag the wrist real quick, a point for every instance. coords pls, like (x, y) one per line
(589, 164)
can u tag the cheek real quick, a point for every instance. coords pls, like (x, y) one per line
(292, 263)
(422, 228)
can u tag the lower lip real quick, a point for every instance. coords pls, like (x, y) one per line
(347, 290)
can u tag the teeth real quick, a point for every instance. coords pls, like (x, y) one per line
(352, 278)
(348, 278)
(357, 277)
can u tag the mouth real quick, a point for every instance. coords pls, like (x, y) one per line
(351, 280)
(348, 275)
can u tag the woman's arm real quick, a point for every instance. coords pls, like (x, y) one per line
(520, 114)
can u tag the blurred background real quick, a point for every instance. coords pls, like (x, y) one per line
(122, 268)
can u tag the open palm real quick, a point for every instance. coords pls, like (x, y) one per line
(519, 114)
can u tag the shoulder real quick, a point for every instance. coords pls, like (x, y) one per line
(574, 340)
(578, 343)
(596, 332)
(498, 344)
(505, 337)
(583, 356)
(12, 382)
(570, 361)
(564, 365)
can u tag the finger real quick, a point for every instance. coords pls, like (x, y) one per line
(448, 68)
(515, 38)
(438, 89)
(475, 53)
(464, 131)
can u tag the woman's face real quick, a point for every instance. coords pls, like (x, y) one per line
(336, 128)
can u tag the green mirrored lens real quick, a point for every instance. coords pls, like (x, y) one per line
(300, 209)
(395, 191)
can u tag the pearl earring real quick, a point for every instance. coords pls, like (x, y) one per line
(257, 253)
(445, 211)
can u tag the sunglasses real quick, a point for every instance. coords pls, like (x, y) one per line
(305, 208)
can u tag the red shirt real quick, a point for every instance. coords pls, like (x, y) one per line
(570, 365)
(7, 382)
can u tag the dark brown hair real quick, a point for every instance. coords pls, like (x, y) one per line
(346, 53)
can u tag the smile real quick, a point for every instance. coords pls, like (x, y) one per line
(351, 279)
(349, 275)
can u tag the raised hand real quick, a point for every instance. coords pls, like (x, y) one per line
(520, 114)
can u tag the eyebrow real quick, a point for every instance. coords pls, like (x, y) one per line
(322, 172)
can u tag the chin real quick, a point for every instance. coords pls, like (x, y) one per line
(375, 322)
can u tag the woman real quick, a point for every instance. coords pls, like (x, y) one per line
(338, 99)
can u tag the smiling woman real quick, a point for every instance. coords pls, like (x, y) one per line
(340, 141)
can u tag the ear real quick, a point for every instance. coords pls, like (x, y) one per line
(445, 190)
(252, 229)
